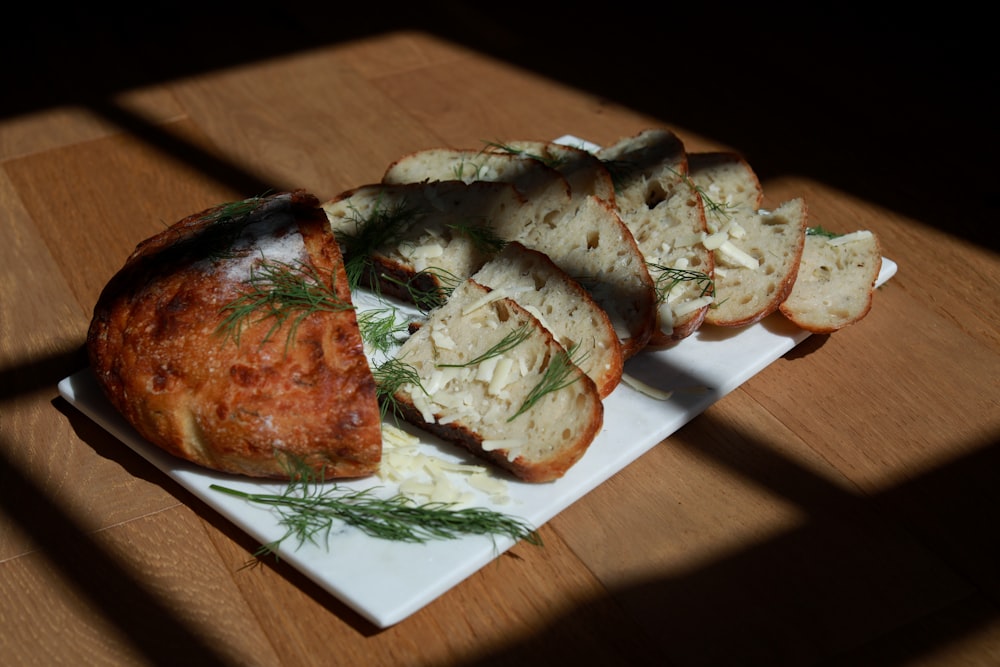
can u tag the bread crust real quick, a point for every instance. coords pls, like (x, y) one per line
(260, 400)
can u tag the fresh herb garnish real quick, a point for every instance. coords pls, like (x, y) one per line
(283, 293)
(483, 237)
(507, 343)
(550, 161)
(820, 231)
(390, 376)
(429, 288)
(553, 379)
(667, 278)
(383, 226)
(309, 509)
(379, 328)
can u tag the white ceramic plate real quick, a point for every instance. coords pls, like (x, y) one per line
(386, 581)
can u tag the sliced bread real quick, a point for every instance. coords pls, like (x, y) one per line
(492, 379)
(836, 281)
(664, 213)
(415, 241)
(584, 236)
(584, 171)
(562, 305)
(756, 253)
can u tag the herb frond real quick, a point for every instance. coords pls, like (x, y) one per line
(507, 343)
(283, 293)
(620, 171)
(820, 231)
(668, 277)
(556, 376)
(385, 225)
(390, 376)
(309, 509)
(379, 328)
(483, 237)
(550, 161)
(429, 288)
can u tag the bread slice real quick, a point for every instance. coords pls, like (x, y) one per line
(836, 281)
(535, 179)
(584, 236)
(664, 212)
(204, 343)
(584, 171)
(562, 305)
(416, 241)
(756, 253)
(495, 381)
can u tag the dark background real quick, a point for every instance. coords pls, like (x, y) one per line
(897, 109)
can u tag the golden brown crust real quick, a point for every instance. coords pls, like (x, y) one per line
(250, 400)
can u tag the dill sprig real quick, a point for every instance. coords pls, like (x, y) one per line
(484, 238)
(667, 278)
(390, 376)
(379, 328)
(385, 225)
(550, 161)
(821, 231)
(507, 343)
(283, 293)
(309, 509)
(428, 288)
(556, 376)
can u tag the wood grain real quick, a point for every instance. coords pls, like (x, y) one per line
(839, 508)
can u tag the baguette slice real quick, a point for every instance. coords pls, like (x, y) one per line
(835, 283)
(664, 212)
(584, 236)
(486, 406)
(756, 254)
(562, 305)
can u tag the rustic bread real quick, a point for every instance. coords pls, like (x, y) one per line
(836, 281)
(561, 304)
(478, 404)
(756, 253)
(584, 236)
(193, 341)
(664, 212)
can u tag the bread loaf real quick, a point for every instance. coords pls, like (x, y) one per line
(835, 282)
(664, 213)
(567, 310)
(493, 380)
(229, 340)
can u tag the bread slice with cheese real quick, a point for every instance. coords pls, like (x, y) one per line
(756, 253)
(415, 241)
(561, 304)
(664, 212)
(486, 375)
(584, 236)
(836, 281)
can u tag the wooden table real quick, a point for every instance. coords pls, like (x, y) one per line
(840, 507)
